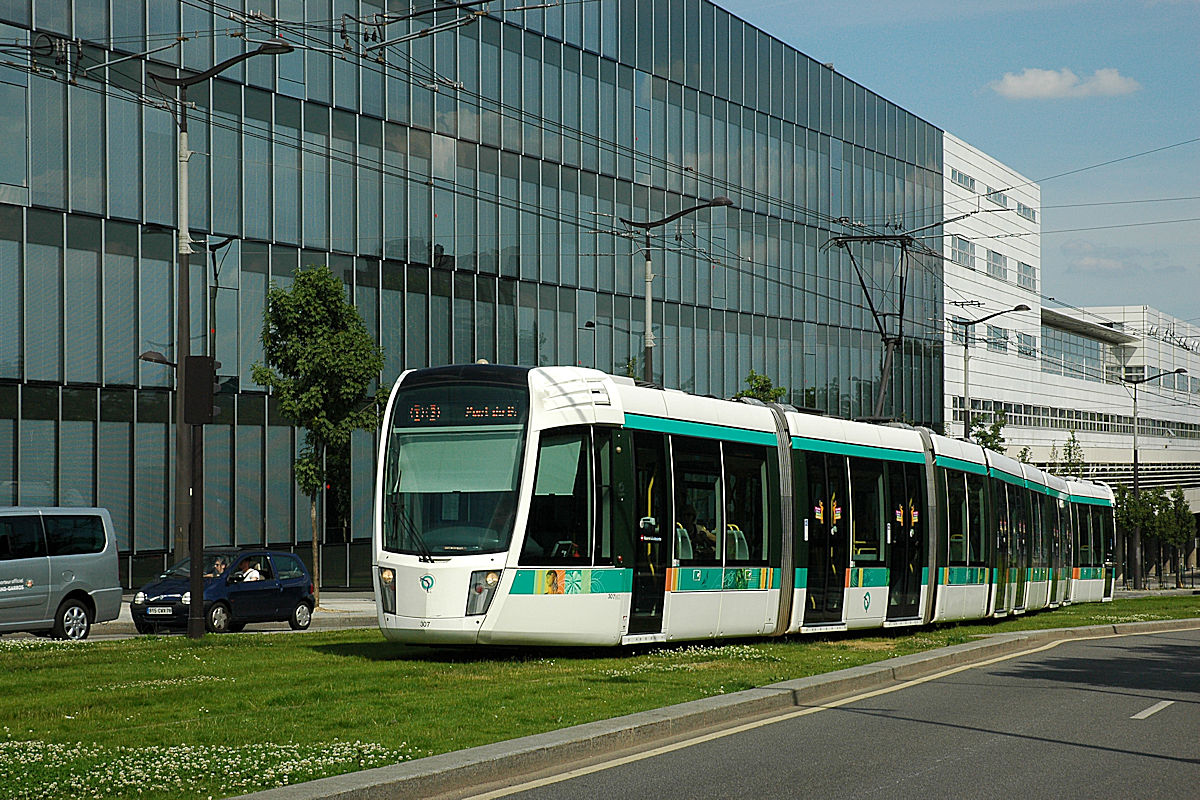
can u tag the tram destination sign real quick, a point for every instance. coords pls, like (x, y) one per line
(460, 406)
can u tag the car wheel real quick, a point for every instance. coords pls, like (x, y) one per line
(143, 627)
(218, 619)
(301, 617)
(71, 621)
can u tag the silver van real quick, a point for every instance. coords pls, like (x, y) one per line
(58, 570)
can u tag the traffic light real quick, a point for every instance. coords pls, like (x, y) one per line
(200, 384)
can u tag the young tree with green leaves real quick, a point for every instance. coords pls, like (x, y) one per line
(1179, 530)
(319, 363)
(989, 436)
(761, 388)
(1025, 456)
(1072, 457)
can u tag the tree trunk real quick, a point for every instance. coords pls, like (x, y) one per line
(316, 564)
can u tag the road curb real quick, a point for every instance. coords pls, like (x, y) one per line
(530, 754)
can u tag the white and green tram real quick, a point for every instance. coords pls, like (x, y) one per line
(561, 505)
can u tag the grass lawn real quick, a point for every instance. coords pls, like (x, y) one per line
(166, 717)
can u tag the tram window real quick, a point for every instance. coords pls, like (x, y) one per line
(976, 552)
(560, 526)
(697, 465)
(1000, 493)
(745, 505)
(956, 517)
(866, 509)
(1036, 528)
(1107, 538)
(1018, 517)
(605, 496)
(1083, 547)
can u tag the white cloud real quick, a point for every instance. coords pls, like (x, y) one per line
(1044, 84)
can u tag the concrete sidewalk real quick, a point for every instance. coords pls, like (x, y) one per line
(517, 759)
(338, 610)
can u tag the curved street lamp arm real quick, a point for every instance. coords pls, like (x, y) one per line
(714, 203)
(274, 47)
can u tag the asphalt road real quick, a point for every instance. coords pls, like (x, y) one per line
(1080, 719)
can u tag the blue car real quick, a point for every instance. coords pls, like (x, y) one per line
(240, 586)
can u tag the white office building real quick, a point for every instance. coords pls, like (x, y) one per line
(1055, 369)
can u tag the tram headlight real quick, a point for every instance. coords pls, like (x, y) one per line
(387, 589)
(481, 590)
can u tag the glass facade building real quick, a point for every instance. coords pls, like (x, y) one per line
(467, 186)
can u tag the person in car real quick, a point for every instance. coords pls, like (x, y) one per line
(249, 572)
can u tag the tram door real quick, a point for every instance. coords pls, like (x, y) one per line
(1019, 515)
(1053, 532)
(906, 539)
(828, 537)
(1003, 558)
(1108, 535)
(651, 544)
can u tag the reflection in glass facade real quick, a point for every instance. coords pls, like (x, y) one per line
(467, 183)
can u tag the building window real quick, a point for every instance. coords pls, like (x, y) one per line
(963, 252)
(1075, 356)
(998, 197)
(962, 179)
(1026, 276)
(997, 265)
(1026, 212)
(1026, 345)
(959, 330)
(997, 339)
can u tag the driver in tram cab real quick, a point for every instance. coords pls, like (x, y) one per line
(704, 541)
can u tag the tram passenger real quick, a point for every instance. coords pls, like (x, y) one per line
(704, 541)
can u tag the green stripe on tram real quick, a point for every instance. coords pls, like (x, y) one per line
(572, 581)
(963, 576)
(949, 462)
(716, 579)
(860, 450)
(867, 577)
(705, 430)
(1092, 501)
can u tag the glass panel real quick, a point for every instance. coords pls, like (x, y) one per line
(43, 296)
(560, 529)
(867, 509)
(746, 502)
(82, 292)
(956, 518)
(976, 550)
(698, 507)
(11, 296)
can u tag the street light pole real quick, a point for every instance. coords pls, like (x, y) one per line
(189, 517)
(648, 339)
(967, 325)
(1135, 538)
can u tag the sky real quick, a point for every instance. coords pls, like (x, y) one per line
(1048, 87)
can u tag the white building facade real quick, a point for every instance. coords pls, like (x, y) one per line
(1055, 369)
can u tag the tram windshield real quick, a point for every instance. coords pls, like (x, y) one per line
(451, 468)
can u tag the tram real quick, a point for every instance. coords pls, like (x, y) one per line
(565, 506)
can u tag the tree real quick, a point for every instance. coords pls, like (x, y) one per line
(761, 388)
(989, 436)
(319, 362)
(1072, 457)
(1025, 456)
(1178, 530)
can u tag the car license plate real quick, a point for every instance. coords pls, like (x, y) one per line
(166, 610)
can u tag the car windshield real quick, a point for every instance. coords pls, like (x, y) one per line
(214, 565)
